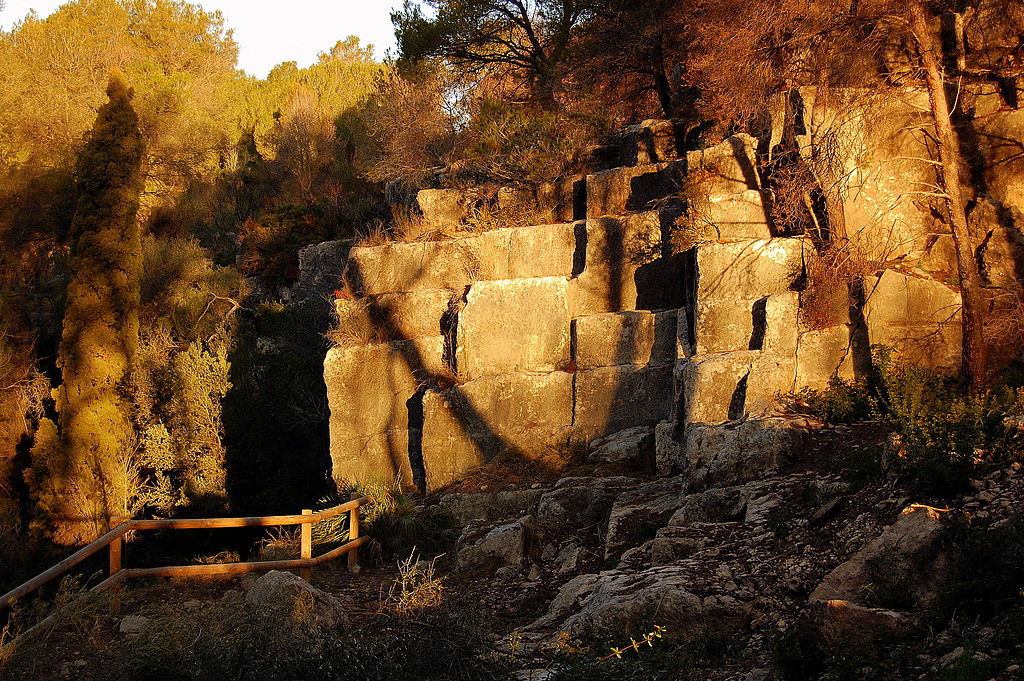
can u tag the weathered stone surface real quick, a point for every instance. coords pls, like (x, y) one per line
(443, 207)
(610, 399)
(822, 354)
(632, 337)
(726, 168)
(368, 385)
(781, 313)
(132, 625)
(659, 141)
(633, 446)
(504, 545)
(711, 388)
(727, 454)
(903, 545)
(771, 376)
(918, 317)
(320, 269)
(293, 602)
(731, 217)
(1002, 258)
(402, 267)
(465, 507)
(612, 251)
(620, 190)
(728, 325)
(749, 269)
(377, 457)
(539, 251)
(562, 200)
(471, 423)
(514, 325)
(579, 501)
(838, 625)
(397, 316)
(667, 448)
(638, 512)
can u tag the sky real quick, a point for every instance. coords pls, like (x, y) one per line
(269, 32)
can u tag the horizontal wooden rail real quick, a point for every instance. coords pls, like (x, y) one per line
(60, 568)
(118, 574)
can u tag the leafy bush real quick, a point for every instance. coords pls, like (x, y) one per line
(841, 402)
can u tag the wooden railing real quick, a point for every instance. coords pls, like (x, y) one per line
(115, 540)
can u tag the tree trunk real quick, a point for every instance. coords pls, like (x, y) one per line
(948, 177)
(661, 83)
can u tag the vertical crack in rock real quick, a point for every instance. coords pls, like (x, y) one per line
(450, 330)
(579, 199)
(415, 407)
(760, 324)
(579, 254)
(738, 403)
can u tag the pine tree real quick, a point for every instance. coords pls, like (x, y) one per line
(81, 473)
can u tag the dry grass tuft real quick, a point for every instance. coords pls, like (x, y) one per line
(417, 587)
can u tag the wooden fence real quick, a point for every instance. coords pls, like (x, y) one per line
(114, 539)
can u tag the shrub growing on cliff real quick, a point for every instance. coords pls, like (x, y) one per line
(81, 471)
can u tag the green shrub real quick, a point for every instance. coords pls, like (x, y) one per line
(841, 402)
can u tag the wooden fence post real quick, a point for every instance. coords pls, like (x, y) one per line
(306, 546)
(114, 567)
(353, 533)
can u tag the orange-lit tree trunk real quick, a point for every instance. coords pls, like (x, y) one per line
(950, 161)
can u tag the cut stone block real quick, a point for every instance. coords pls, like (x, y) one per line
(633, 188)
(442, 207)
(749, 269)
(381, 458)
(727, 325)
(472, 423)
(823, 354)
(398, 316)
(659, 141)
(368, 386)
(514, 325)
(633, 337)
(711, 388)
(403, 267)
(771, 377)
(611, 257)
(731, 217)
(782, 312)
(562, 200)
(727, 168)
(918, 317)
(610, 399)
(540, 251)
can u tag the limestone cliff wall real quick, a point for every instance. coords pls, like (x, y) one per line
(524, 340)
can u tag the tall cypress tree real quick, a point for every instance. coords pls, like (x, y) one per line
(81, 473)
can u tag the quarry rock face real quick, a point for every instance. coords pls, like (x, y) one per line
(602, 330)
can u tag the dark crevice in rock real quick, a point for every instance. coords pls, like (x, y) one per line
(738, 403)
(760, 324)
(415, 407)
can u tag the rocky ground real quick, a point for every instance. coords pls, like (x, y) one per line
(827, 569)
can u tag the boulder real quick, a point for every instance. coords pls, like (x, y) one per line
(469, 424)
(750, 269)
(610, 253)
(610, 399)
(905, 546)
(731, 453)
(581, 501)
(638, 513)
(514, 325)
(632, 337)
(726, 168)
(489, 506)
(503, 545)
(838, 626)
(443, 207)
(633, 447)
(918, 317)
(632, 188)
(294, 603)
(320, 269)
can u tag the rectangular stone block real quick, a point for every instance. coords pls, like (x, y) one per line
(822, 354)
(469, 424)
(392, 316)
(381, 458)
(540, 251)
(726, 168)
(768, 324)
(368, 386)
(735, 217)
(514, 325)
(660, 141)
(749, 269)
(633, 337)
(632, 188)
(610, 399)
(770, 377)
(712, 388)
(919, 318)
(403, 267)
(610, 254)
(563, 200)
